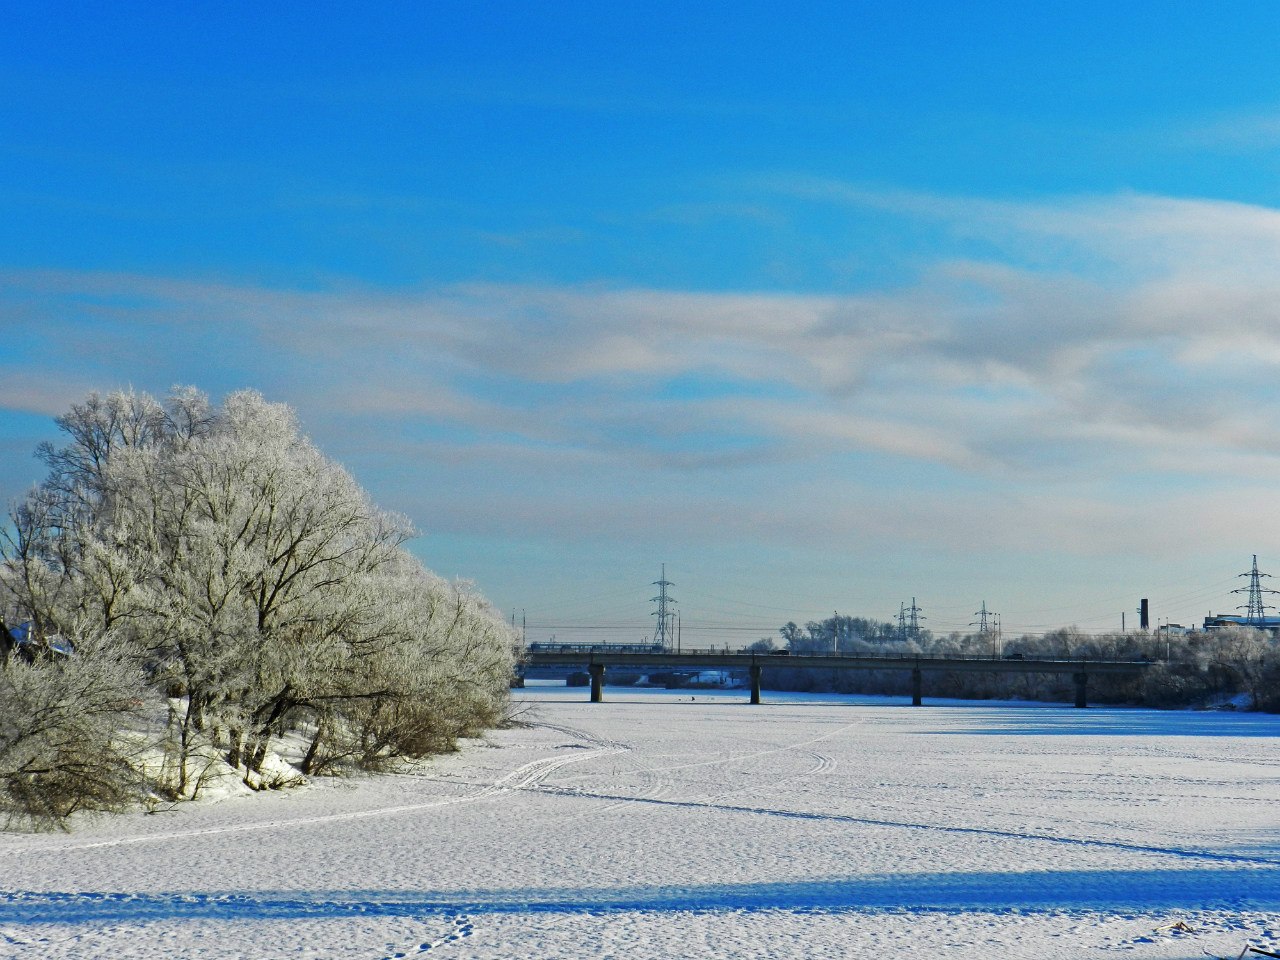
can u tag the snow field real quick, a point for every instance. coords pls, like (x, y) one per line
(655, 825)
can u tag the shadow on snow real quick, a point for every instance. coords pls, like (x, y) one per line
(1109, 722)
(1005, 892)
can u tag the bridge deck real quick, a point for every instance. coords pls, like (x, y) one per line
(744, 661)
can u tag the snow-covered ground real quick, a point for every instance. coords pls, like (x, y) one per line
(666, 824)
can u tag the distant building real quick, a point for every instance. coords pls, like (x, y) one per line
(1216, 620)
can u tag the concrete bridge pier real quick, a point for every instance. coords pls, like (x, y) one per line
(1082, 683)
(917, 686)
(755, 683)
(597, 682)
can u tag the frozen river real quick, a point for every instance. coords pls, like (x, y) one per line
(660, 826)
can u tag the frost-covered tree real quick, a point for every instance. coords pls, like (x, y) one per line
(63, 735)
(252, 582)
(439, 669)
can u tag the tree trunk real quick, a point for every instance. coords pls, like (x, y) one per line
(314, 747)
(235, 746)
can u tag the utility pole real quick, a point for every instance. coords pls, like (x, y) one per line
(1256, 610)
(664, 635)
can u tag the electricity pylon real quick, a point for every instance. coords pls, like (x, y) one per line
(914, 616)
(985, 617)
(664, 634)
(1255, 609)
(987, 625)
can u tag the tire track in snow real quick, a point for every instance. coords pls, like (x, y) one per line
(744, 757)
(822, 765)
(1181, 853)
(654, 784)
(664, 784)
(825, 762)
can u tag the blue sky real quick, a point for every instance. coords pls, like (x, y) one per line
(824, 309)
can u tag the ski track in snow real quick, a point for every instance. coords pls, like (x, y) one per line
(529, 776)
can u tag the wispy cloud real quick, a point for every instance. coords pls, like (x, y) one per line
(1130, 353)
(1143, 340)
(46, 393)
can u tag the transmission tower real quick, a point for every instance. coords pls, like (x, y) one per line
(1255, 609)
(902, 621)
(988, 624)
(914, 615)
(986, 620)
(664, 633)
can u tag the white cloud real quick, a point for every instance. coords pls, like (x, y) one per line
(48, 390)
(1141, 341)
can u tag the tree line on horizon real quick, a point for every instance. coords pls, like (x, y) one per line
(193, 586)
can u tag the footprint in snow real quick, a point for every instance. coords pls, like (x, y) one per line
(462, 927)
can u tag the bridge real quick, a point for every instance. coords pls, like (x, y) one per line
(597, 659)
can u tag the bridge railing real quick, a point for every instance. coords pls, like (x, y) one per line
(779, 658)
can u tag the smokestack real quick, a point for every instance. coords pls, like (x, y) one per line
(1144, 619)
